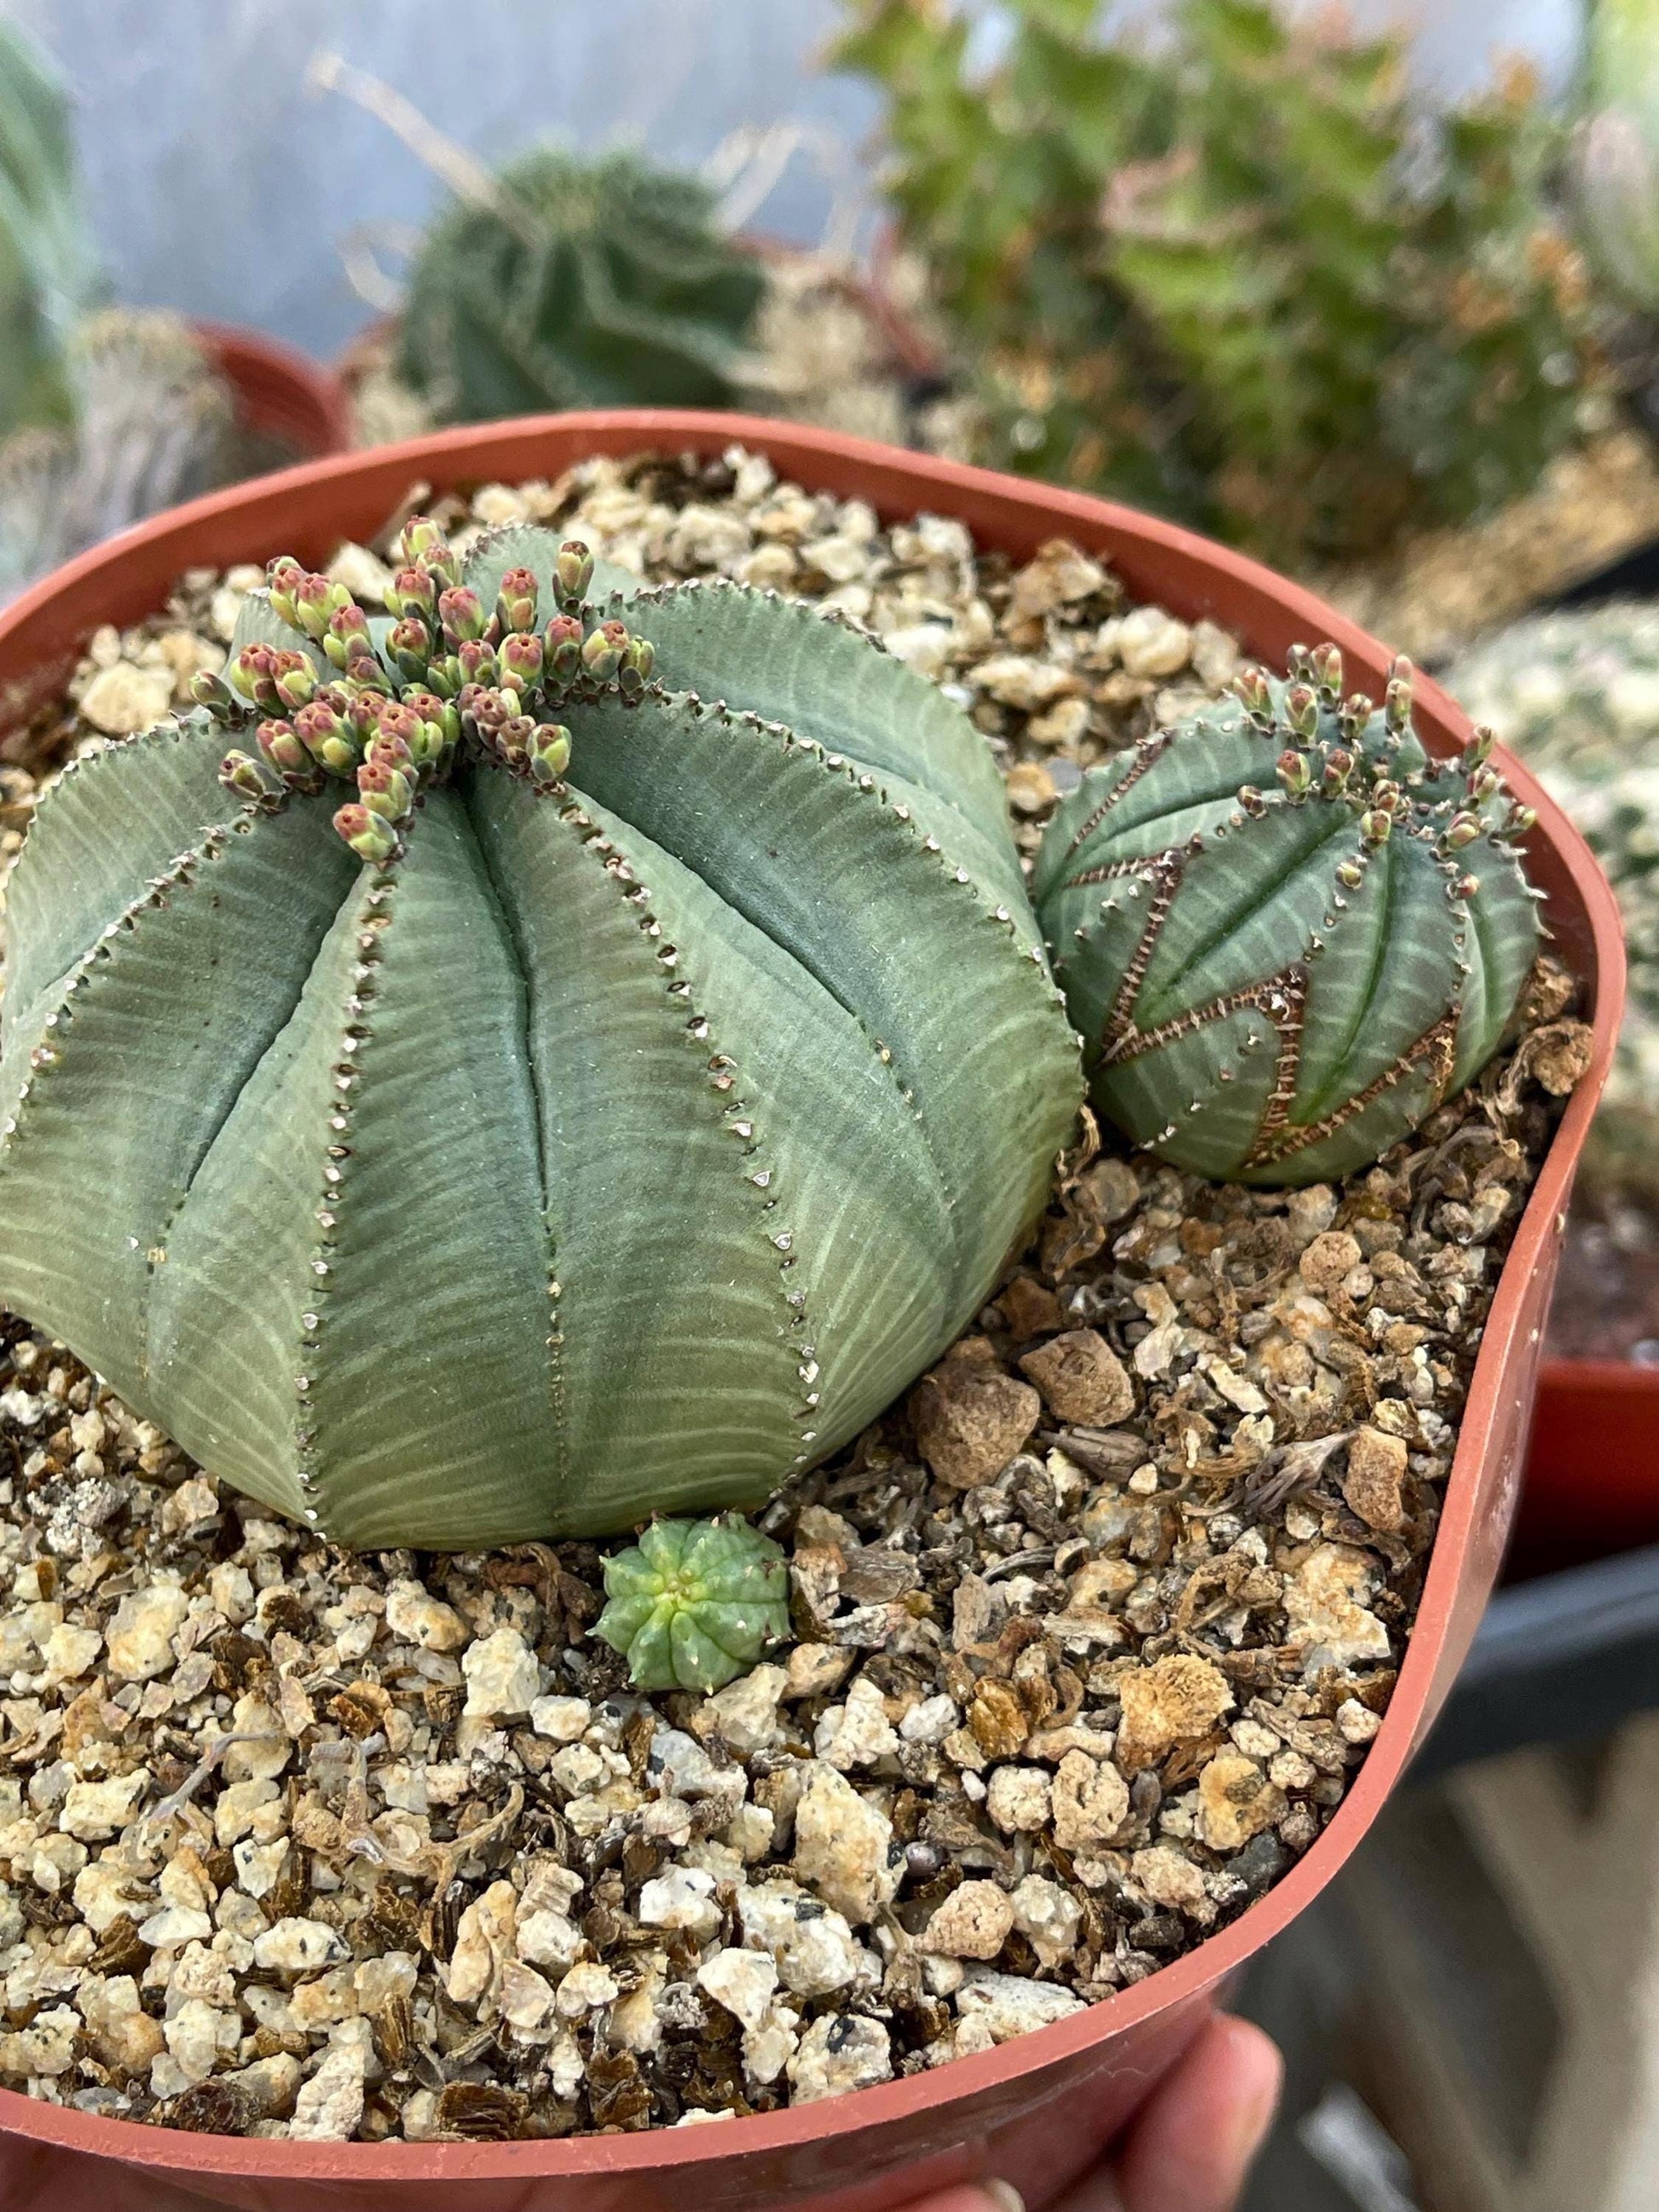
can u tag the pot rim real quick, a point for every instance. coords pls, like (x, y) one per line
(889, 476)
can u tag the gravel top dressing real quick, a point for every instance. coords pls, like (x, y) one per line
(1090, 1633)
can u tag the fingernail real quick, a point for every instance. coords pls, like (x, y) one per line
(1004, 2195)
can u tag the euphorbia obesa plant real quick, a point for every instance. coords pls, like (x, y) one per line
(1285, 932)
(605, 1109)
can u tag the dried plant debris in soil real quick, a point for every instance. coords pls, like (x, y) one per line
(1090, 1633)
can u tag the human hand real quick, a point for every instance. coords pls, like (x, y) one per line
(1190, 2147)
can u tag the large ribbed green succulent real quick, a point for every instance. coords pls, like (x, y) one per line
(1284, 932)
(539, 1150)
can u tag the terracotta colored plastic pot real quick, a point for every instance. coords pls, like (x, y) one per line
(1040, 2110)
(281, 393)
(1592, 1485)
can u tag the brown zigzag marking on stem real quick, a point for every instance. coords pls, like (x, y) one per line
(1148, 750)
(1436, 1044)
(1165, 873)
(1286, 1005)
(1287, 988)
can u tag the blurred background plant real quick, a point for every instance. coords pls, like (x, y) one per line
(1616, 148)
(566, 280)
(107, 414)
(48, 264)
(1238, 274)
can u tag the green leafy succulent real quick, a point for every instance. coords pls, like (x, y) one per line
(1285, 932)
(606, 1109)
(694, 1603)
(1237, 276)
(586, 283)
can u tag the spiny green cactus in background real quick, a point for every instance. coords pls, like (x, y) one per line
(48, 266)
(590, 283)
(606, 1109)
(694, 1603)
(1284, 932)
(1238, 275)
(1575, 695)
(151, 415)
(1615, 165)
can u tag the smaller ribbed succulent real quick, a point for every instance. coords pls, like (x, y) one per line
(694, 1603)
(588, 284)
(1284, 932)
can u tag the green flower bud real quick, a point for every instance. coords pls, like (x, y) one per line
(635, 674)
(252, 675)
(315, 602)
(477, 662)
(515, 603)
(602, 650)
(1253, 689)
(461, 613)
(549, 752)
(1397, 699)
(216, 694)
(283, 577)
(370, 835)
(328, 736)
(409, 644)
(1325, 669)
(521, 656)
(347, 639)
(296, 680)
(564, 649)
(439, 721)
(1294, 774)
(572, 573)
(1302, 711)
(412, 591)
(385, 789)
(694, 1603)
(240, 773)
(286, 753)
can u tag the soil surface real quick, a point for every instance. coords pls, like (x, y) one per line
(1090, 1633)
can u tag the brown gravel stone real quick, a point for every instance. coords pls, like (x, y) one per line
(971, 1419)
(1328, 1259)
(998, 1720)
(1236, 1801)
(1082, 1378)
(974, 1922)
(1374, 1481)
(1090, 1803)
(1030, 1308)
(1178, 1700)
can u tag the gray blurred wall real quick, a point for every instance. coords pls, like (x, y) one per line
(219, 185)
